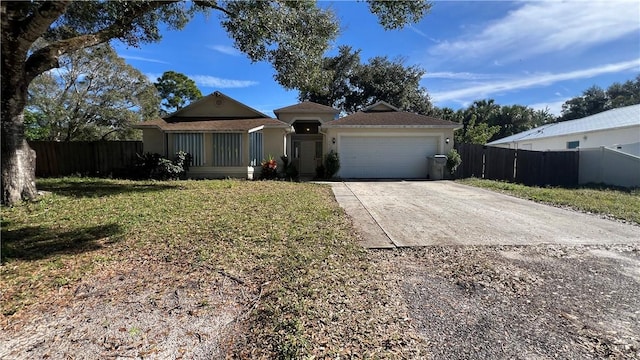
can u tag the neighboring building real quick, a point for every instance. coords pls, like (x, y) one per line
(229, 139)
(617, 129)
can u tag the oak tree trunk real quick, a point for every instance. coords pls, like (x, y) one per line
(18, 159)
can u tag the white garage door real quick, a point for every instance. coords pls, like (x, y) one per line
(399, 157)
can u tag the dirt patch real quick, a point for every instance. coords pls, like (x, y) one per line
(457, 302)
(157, 310)
(545, 301)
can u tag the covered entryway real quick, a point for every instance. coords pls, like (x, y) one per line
(306, 146)
(391, 157)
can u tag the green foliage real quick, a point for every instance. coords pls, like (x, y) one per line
(620, 204)
(592, 101)
(396, 14)
(289, 171)
(36, 126)
(177, 90)
(626, 94)
(320, 171)
(331, 164)
(595, 100)
(140, 21)
(94, 95)
(154, 166)
(513, 119)
(350, 85)
(453, 161)
(484, 120)
(291, 35)
(474, 133)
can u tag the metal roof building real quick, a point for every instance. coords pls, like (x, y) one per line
(612, 128)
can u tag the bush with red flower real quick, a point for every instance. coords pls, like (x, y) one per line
(269, 169)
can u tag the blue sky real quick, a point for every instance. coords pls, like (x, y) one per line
(534, 53)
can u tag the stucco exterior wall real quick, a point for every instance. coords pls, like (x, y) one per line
(273, 143)
(290, 118)
(608, 166)
(592, 139)
(153, 141)
(335, 133)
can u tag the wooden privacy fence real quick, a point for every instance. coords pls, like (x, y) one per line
(539, 168)
(94, 158)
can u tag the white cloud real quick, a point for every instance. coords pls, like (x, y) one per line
(479, 91)
(543, 27)
(211, 81)
(457, 76)
(554, 107)
(216, 82)
(421, 33)
(227, 50)
(139, 58)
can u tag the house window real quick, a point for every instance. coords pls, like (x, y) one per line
(255, 148)
(227, 149)
(573, 144)
(192, 144)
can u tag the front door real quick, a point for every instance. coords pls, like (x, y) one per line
(308, 154)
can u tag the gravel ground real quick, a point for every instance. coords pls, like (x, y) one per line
(450, 302)
(159, 312)
(522, 302)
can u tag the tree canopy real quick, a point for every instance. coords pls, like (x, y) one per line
(177, 90)
(350, 85)
(291, 35)
(484, 120)
(93, 95)
(595, 99)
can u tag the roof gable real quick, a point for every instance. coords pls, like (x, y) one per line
(216, 105)
(307, 107)
(390, 119)
(610, 119)
(213, 125)
(380, 106)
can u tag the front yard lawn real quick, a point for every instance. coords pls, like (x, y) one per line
(616, 203)
(281, 256)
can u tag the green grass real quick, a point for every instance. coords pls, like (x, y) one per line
(617, 203)
(290, 240)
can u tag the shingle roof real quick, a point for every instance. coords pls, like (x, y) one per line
(390, 119)
(203, 124)
(307, 107)
(611, 119)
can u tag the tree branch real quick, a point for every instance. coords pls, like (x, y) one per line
(206, 4)
(46, 58)
(37, 23)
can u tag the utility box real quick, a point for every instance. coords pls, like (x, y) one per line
(436, 166)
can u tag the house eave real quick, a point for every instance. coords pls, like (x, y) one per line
(575, 133)
(391, 126)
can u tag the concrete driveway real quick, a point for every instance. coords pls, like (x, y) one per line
(422, 213)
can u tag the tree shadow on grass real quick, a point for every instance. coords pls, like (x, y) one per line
(39, 242)
(100, 188)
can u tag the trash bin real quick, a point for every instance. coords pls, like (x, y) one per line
(436, 166)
